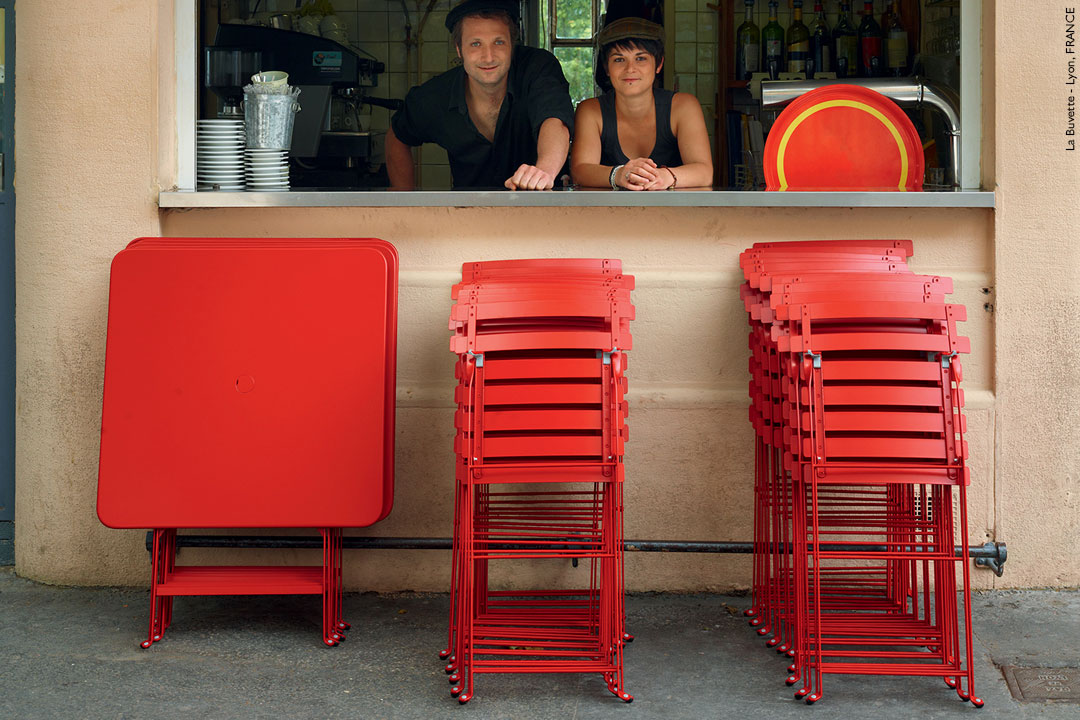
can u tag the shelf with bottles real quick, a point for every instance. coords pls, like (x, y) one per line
(794, 39)
(839, 36)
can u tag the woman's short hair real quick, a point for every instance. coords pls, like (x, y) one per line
(654, 47)
(511, 22)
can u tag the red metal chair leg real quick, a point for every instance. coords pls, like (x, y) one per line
(156, 568)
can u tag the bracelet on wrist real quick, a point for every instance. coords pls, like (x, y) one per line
(674, 179)
(614, 173)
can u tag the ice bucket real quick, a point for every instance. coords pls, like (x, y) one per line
(269, 120)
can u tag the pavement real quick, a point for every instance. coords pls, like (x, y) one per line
(69, 652)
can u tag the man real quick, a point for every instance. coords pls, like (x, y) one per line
(504, 116)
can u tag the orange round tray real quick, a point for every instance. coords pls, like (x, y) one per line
(843, 137)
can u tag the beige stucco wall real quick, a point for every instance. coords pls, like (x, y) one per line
(1037, 257)
(86, 155)
(87, 172)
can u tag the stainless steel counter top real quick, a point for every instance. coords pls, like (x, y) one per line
(574, 198)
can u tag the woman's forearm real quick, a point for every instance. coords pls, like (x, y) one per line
(591, 175)
(693, 175)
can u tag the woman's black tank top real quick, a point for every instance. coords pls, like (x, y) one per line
(666, 148)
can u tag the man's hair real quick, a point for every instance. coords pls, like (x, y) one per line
(515, 29)
(653, 47)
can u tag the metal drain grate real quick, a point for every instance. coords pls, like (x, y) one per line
(1042, 684)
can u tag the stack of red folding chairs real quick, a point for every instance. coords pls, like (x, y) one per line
(860, 464)
(540, 432)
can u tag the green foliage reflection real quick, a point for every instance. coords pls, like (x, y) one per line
(577, 65)
(575, 23)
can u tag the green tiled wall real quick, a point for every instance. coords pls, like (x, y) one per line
(378, 27)
(694, 53)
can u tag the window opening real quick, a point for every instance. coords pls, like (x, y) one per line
(566, 29)
(403, 45)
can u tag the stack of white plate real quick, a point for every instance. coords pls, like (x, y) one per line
(266, 170)
(220, 158)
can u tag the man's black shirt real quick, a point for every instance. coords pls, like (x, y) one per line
(437, 112)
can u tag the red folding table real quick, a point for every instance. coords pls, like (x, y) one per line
(249, 383)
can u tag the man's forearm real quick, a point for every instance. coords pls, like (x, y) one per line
(552, 145)
(399, 163)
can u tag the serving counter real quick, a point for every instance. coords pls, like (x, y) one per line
(575, 198)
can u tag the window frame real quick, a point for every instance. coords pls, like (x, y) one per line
(553, 26)
(554, 41)
(182, 188)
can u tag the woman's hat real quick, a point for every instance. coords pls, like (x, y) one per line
(472, 7)
(626, 28)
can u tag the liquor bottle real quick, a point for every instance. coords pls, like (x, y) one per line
(896, 43)
(870, 43)
(798, 41)
(885, 15)
(772, 35)
(747, 46)
(846, 44)
(820, 44)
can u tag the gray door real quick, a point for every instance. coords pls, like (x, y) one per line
(7, 282)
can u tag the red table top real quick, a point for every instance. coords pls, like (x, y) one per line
(843, 137)
(246, 386)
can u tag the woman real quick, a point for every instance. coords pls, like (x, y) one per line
(637, 136)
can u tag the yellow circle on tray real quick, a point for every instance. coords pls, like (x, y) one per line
(842, 103)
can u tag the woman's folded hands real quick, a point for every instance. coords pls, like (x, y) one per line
(643, 174)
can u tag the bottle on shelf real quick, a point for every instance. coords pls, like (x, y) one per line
(896, 43)
(846, 44)
(870, 43)
(885, 15)
(820, 44)
(798, 41)
(747, 46)
(772, 36)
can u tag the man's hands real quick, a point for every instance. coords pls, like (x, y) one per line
(552, 145)
(643, 174)
(530, 177)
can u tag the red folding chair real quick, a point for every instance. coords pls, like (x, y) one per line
(888, 435)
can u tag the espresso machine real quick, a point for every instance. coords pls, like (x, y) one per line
(330, 147)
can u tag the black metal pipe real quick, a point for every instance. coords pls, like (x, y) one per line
(991, 555)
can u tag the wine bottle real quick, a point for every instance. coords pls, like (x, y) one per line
(820, 42)
(747, 46)
(798, 41)
(896, 43)
(846, 44)
(870, 43)
(772, 35)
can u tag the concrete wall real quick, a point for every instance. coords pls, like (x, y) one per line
(86, 152)
(86, 186)
(1037, 289)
